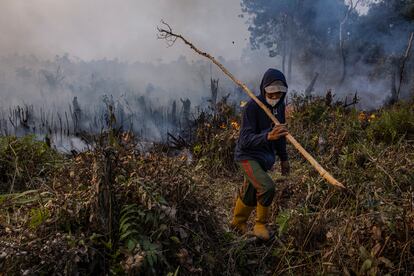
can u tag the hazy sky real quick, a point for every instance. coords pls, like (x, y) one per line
(126, 29)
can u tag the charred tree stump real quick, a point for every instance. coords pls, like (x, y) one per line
(393, 98)
(186, 111)
(174, 119)
(77, 115)
(355, 100)
(214, 91)
(328, 98)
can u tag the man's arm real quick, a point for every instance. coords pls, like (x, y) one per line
(280, 146)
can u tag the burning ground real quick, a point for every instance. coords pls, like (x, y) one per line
(117, 210)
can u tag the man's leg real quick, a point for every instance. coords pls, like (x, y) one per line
(245, 204)
(260, 180)
(265, 191)
(247, 193)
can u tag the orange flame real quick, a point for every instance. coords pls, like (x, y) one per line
(235, 125)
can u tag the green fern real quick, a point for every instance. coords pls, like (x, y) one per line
(132, 226)
(129, 223)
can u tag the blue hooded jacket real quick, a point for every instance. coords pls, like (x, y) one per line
(255, 125)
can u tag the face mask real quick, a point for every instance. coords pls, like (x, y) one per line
(272, 102)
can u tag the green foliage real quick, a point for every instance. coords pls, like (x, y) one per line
(315, 113)
(37, 217)
(26, 197)
(320, 127)
(197, 149)
(22, 159)
(282, 220)
(393, 124)
(152, 252)
(129, 225)
(135, 234)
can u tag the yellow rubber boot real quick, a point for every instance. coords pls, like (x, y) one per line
(240, 217)
(260, 229)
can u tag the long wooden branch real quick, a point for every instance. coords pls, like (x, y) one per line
(170, 37)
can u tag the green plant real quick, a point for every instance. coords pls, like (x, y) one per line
(282, 220)
(22, 159)
(129, 225)
(393, 124)
(135, 234)
(37, 217)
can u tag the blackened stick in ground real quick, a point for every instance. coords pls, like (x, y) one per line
(170, 37)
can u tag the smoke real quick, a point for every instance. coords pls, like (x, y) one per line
(105, 52)
(69, 95)
(352, 50)
(97, 29)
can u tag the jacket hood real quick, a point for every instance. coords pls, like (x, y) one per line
(270, 76)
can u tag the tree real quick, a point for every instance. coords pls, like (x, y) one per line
(353, 4)
(329, 36)
(298, 31)
(386, 29)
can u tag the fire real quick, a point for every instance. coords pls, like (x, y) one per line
(235, 125)
(223, 126)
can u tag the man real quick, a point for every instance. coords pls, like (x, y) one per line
(259, 142)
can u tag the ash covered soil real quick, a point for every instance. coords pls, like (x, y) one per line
(116, 210)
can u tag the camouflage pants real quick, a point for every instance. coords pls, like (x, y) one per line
(257, 185)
